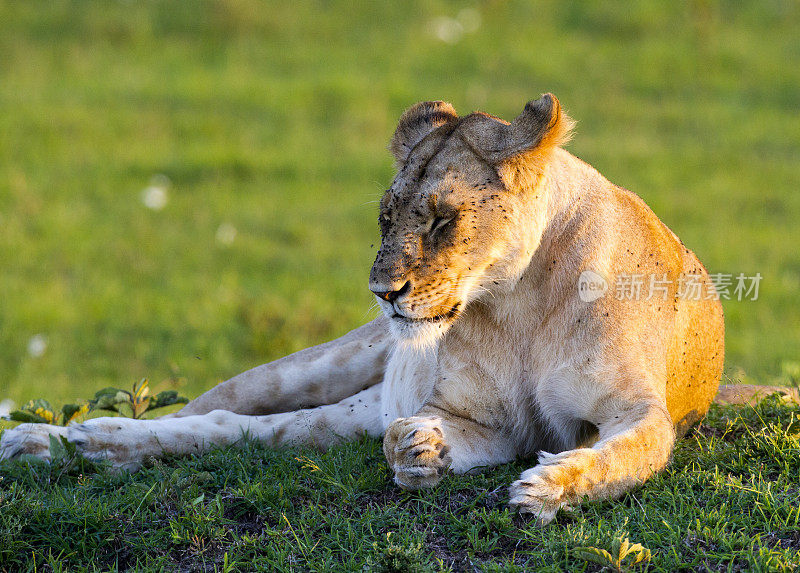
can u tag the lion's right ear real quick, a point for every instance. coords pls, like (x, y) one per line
(417, 122)
(519, 150)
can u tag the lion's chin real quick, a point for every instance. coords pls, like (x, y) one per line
(419, 334)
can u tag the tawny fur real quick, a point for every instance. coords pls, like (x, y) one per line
(486, 353)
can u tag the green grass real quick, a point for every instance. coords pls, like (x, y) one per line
(727, 502)
(274, 118)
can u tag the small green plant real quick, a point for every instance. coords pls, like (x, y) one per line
(392, 556)
(622, 557)
(132, 404)
(42, 412)
(137, 402)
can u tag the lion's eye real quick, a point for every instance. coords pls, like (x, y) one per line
(438, 223)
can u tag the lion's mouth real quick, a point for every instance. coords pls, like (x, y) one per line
(447, 316)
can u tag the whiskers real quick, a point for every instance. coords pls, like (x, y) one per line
(485, 279)
(373, 310)
(483, 289)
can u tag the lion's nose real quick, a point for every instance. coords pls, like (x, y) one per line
(393, 295)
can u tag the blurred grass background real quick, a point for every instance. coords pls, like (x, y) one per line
(257, 131)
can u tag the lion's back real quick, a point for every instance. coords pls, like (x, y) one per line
(679, 303)
(697, 349)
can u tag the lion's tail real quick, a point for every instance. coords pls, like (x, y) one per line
(751, 393)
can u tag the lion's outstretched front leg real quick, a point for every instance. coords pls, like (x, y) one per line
(633, 445)
(29, 439)
(127, 443)
(323, 374)
(421, 448)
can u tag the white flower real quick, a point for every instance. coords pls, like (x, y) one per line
(226, 234)
(5, 407)
(37, 345)
(448, 30)
(154, 196)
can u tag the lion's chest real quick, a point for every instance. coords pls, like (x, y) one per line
(481, 382)
(407, 382)
(500, 378)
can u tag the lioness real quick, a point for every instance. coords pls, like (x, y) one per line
(487, 350)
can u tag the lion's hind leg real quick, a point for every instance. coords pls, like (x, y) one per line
(315, 376)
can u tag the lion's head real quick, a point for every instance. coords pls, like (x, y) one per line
(463, 215)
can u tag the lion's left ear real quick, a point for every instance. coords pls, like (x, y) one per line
(416, 123)
(519, 150)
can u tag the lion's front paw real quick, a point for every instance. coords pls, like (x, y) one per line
(30, 439)
(557, 482)
(417, 452)
(119, 441)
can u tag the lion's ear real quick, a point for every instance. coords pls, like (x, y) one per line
(520, 149)
(417, 122)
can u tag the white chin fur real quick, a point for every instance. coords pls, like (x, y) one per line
(419, 335)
